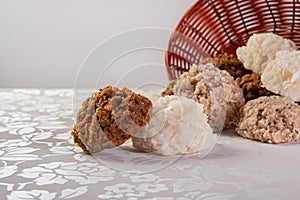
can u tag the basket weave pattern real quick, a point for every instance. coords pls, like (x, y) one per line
(212, 27)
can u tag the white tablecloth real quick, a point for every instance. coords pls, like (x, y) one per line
(38, 160)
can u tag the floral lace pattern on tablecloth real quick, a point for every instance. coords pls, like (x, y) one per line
(38, 160)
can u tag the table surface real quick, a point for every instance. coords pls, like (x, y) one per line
(38, 160)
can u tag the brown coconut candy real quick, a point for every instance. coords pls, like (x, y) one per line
(109, 118)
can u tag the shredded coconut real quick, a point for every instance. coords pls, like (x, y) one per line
(261, 48)
(177, 126)
(282, 75)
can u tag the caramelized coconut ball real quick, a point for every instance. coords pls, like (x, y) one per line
(252, 86)
(227, 62)
(109, 118)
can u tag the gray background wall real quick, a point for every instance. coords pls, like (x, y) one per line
(43, 43)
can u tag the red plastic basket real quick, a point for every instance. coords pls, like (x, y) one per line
(212, 27)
